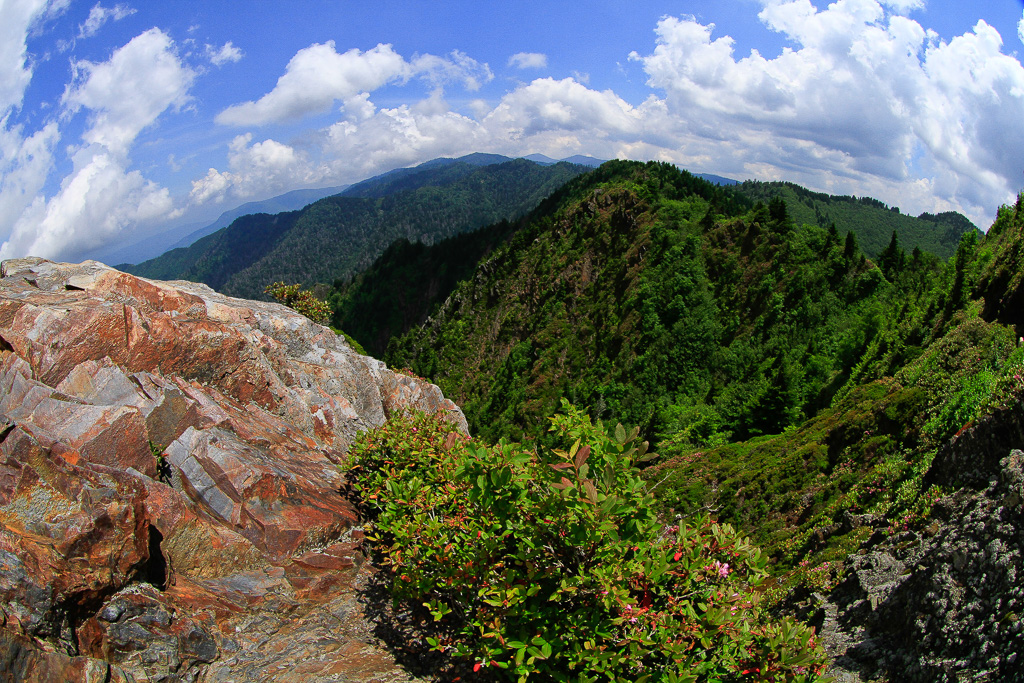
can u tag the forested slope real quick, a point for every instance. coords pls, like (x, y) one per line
(337, 236)
(786, 379)
(654, 297)
(870, 219)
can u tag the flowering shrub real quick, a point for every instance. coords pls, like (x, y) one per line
(300, 301)
(552, 565)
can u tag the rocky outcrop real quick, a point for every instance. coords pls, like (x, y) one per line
(946, 603)
(171, 506)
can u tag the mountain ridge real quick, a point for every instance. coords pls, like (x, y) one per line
(422, 204)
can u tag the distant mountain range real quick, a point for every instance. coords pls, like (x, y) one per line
(336, 236)
(184, 235)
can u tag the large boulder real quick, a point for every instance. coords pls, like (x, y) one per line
(169, 477)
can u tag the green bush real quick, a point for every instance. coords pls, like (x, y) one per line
(552, 565)
(300, 301)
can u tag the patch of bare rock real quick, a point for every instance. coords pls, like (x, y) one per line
(945, 603)
(171, 507)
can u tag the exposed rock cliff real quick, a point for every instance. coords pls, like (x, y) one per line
(946, 604)
(232, 555)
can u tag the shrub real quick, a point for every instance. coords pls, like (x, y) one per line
(552, 566)
(300, 301)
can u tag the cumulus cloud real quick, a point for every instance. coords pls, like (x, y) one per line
(260, 168)
(456, 67)
(318, 76)
(24, 166)
(865, 101)
(528, 60)
(224, 54)
(400, 136)
(126, 93)
(99, 15)
(903, 6)
(868, 98)
(102, 196)
(94, 205)
(16, 18)
(563, 105)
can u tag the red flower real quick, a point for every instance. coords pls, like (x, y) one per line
(476, 667)
(677, 555)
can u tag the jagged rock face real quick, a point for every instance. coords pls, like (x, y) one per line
(943, 605)
(116, 564)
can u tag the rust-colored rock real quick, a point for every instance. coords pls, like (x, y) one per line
(170, 497)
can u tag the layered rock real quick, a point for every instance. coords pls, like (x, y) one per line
(169, 478)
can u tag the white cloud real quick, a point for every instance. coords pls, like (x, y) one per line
(129, 91)
(318, 75)
(100, 15)
(528, 60)
(400, 136)
(314, 78)
(458, 66)
(261, 168)
(101, 197)
(866, 102)
(94, 205)
(24, 165)
(16, 18)
(563, 105)
(555, 117)
(224, 54)
(868, 99)
(1020, 29)
(904, 6)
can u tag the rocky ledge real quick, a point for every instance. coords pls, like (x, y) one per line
(171, 507)
(944, 603)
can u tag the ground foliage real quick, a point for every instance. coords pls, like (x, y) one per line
(946, 355)
(551, 565)
(301, 301)
(788, 380)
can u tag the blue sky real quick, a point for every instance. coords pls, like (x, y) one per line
(121, 119)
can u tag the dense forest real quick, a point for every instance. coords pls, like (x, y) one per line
(337, 236)
(783, 376)
(871, 219)
(411, 280)
(655, 297)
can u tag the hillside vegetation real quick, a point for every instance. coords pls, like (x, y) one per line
(411, 280)
(654, 297)
(786, 379)
(870, 219)
(337, 236)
